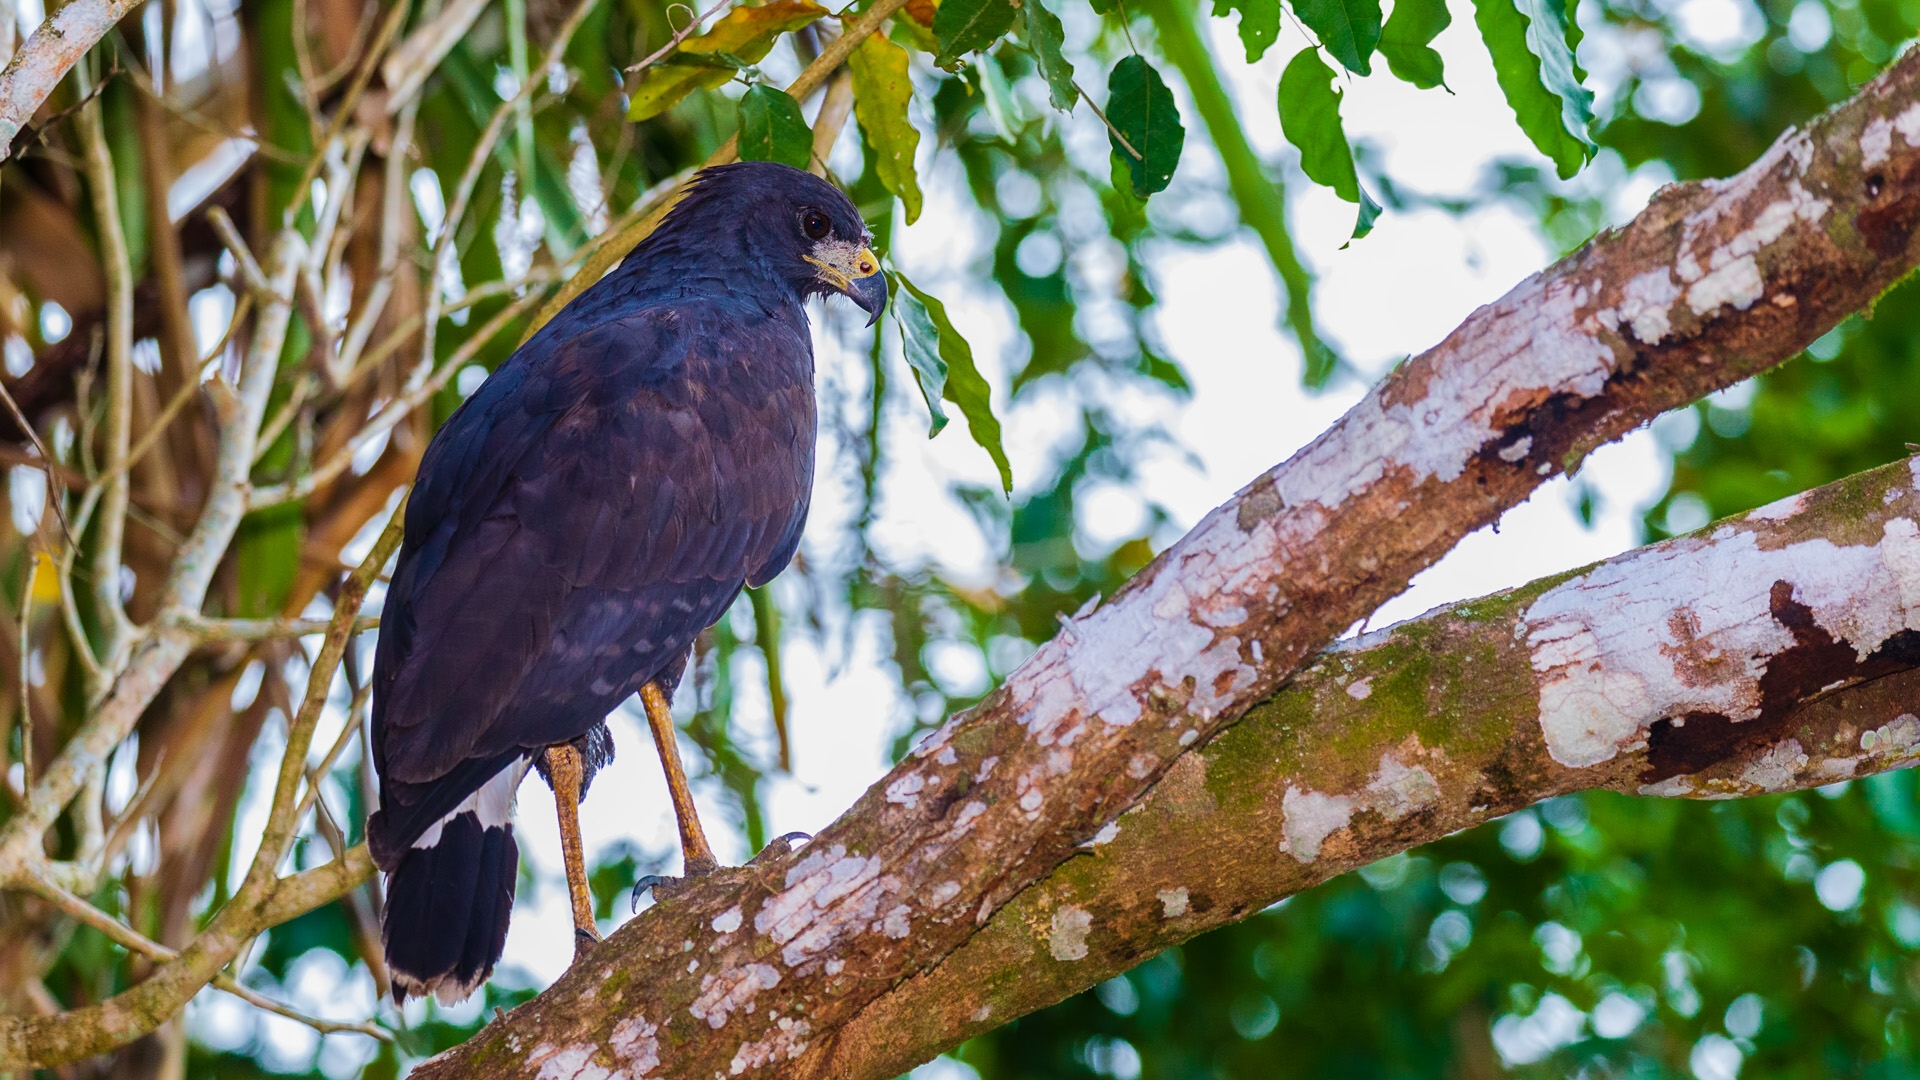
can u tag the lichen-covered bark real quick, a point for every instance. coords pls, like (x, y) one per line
(755, 970)
(47, 56)
(1805, 613)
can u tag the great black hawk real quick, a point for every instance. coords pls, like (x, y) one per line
(600, 500)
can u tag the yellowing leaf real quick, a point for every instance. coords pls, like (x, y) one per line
(881, 90)
(708, 60)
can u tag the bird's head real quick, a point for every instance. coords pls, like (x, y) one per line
(800, 226)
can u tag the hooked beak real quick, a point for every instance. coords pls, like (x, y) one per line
(854, 272)
(870, 293)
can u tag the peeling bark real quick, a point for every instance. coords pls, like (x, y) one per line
(756, 970)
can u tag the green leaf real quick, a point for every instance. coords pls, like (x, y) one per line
(1047, 39)
(1348, 28)
(1310, 119)
(1369, 213)
(1406, 41)
(920, 341)
(964, 26)
(881, 90)
(964, 386)
(708, 60)
(772, 128)
(1535, 68)
(1259, 23)
(1141, 111)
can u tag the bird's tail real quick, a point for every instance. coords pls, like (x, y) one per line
(450, 896)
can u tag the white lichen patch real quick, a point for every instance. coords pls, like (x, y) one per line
(1876, 141)
(787, 1040)
(1687, 626)
(727, 921)
(635, 1042)
(1360, 689)
(1311, 817)
(725, 991)
(905, 791)
(1898, 738)
(567, 1063)
(1733, 273)
(1644, 304)
(981, 1014)
(1394, 791)
(1397, 790)
(1673, 787)
(1173, 902)
(1908, 125)
(940, 894)
(1067, 940)
(1108, 834)
(1779, 509)
(898, 922)
(1778, 768)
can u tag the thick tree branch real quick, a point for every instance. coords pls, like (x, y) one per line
(47, 56)
(752, 971)
(1774, 652)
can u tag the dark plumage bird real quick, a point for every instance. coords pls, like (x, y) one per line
(599, 501)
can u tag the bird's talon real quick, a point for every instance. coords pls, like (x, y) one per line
(779, 846)
(645, 885)
(583, 941)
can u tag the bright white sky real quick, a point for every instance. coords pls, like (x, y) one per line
(1393, 294)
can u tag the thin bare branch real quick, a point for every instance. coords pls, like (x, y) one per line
(679, 36)
(114, 487)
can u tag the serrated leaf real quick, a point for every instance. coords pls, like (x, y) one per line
(707, 60)
(1048, 39)
(773, 129)
(1536, 72)
(920, 343)
(1349, 29)
(965, 386)
(1406, 41)
(965, 26)
(1259, 23)
(881, 90)
(1141, 110)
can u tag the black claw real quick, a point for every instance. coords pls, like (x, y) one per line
(646, 884)
(780, 846)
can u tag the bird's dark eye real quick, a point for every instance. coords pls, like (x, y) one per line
(815, 223)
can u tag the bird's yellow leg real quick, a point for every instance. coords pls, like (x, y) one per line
(566, 769)
(693, 839)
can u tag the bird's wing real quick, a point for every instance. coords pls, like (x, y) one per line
(596, 504)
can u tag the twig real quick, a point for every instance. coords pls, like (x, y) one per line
(394, 412)
(52, 891)
(210, 630)
(250, 272)
(395, 19)
(356, 714)
(1114, 131)
(463, 191)
(115, 259)
(55, 491)
(353, 592)
(832, 117)
(679, 36)
(26, 674)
